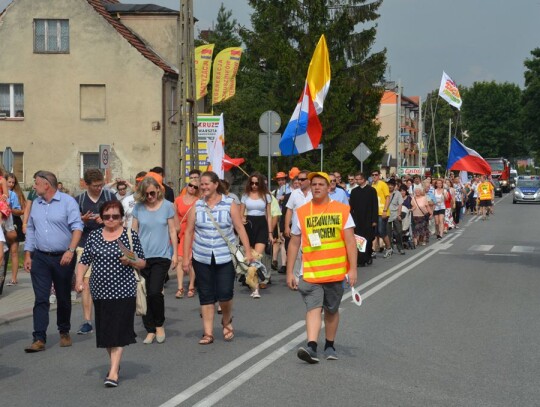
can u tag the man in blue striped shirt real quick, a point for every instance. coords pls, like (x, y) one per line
(53, 231)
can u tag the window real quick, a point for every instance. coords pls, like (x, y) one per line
(89, 160)
(92, 102)
(18, 164)
(51, 36)
(11, 100)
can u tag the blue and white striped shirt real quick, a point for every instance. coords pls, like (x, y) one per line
(207, 240)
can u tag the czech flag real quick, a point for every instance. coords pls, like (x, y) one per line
(304, 131)
(466, 159)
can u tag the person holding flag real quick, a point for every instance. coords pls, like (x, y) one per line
(304, 131)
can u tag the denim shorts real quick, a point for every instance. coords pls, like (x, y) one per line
(215, 282)
(382, 226)
(324, 295)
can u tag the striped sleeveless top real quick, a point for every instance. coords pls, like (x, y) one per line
(207, 240)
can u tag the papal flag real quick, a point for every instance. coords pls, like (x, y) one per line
(304, 131)
(203, 65)
(224, 74)
(449, 91)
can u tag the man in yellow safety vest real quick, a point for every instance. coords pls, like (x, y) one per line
(324, 230)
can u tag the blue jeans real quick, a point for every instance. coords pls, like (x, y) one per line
(45, 271)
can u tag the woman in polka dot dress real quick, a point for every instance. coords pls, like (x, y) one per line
(112, 284)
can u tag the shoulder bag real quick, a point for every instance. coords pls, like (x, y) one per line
(141, 305)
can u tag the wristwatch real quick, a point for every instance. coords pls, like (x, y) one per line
(71, 250)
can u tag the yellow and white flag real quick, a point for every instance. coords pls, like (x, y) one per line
(224, 74)
(449, 91)
(318, 76)
(203, 65)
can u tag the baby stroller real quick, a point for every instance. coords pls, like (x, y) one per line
(406, 223)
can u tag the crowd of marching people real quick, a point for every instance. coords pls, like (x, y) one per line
(101, 242)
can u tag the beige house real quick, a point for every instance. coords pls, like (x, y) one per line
(403, 150)
(77, 74)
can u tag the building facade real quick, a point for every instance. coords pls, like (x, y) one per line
(73, 77)
(399, 117)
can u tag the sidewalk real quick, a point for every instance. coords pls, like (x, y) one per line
(16, 302)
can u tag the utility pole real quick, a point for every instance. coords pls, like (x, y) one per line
(398, 126)
(187, 107)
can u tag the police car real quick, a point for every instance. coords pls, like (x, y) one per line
(527, 189)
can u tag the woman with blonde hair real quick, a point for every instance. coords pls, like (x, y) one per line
(154, 221)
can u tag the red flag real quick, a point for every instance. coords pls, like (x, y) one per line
(229, 163)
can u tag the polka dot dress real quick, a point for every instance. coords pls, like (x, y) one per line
(109, 278)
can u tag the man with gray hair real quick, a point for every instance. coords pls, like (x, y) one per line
(53, 231)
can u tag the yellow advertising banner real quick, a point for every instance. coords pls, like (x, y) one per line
(203, 64)
(224, 74)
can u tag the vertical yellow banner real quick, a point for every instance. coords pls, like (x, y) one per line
(224, 74)
(203, 64)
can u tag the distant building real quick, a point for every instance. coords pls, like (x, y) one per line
(403, 151)
(75, 74)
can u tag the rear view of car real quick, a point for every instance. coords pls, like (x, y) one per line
(527, 189)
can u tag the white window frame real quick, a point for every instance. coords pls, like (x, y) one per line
(88, 154)
(12, 111)
(58, 36)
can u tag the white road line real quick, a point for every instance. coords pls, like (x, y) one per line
(501, 254)
(481, 247)
(248, 374)
(218, 374)
(522, 249)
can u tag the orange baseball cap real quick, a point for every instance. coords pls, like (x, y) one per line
(294, 172)
(280, 174)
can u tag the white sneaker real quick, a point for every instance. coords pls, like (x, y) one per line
(52, 299)
(255, 294)
(388, 253)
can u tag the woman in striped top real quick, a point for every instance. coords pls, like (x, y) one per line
(214, 270)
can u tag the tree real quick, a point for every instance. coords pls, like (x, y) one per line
(224, 35)
(491, 115)
(530, 103)
(278, 50)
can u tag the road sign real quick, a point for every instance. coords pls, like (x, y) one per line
(104, 156)
(274, 145)
(269, 121)
(362, 152)
(7, 159)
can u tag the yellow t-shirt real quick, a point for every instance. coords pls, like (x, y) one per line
(382, 192)
(485, 190)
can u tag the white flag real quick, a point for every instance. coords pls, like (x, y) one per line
(449, 91)
(216, 149)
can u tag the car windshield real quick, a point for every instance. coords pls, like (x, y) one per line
(529, 184)
(496, 165)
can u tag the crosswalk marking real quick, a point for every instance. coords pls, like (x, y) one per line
(481, 247)
(522, 249)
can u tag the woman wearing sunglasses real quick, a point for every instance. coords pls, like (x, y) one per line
(255, 207)
(112, 284)
(184, 204)
(154, 220)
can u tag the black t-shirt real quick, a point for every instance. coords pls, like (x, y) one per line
(86, 204)
(169, 193)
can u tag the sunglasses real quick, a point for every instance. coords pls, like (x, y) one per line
(254, 183)
(121, 189)
(374, 175)
(302, 179)
(111, 217)
(193, 186)
(151, 194)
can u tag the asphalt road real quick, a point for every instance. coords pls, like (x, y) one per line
(451, 324)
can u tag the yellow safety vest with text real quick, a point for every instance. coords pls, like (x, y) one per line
(328, 262)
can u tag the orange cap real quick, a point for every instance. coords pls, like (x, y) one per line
(294, 172)
(280, 174)
(154, 175)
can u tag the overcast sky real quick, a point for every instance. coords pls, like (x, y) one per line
(472, 40)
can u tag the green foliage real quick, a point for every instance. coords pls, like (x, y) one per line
(531, 103)
(273, 70)
(489, 122)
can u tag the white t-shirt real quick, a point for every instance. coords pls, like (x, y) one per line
(297, 199)
(256, 207)
(128, 203)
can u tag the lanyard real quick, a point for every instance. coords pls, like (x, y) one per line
(321, 214)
